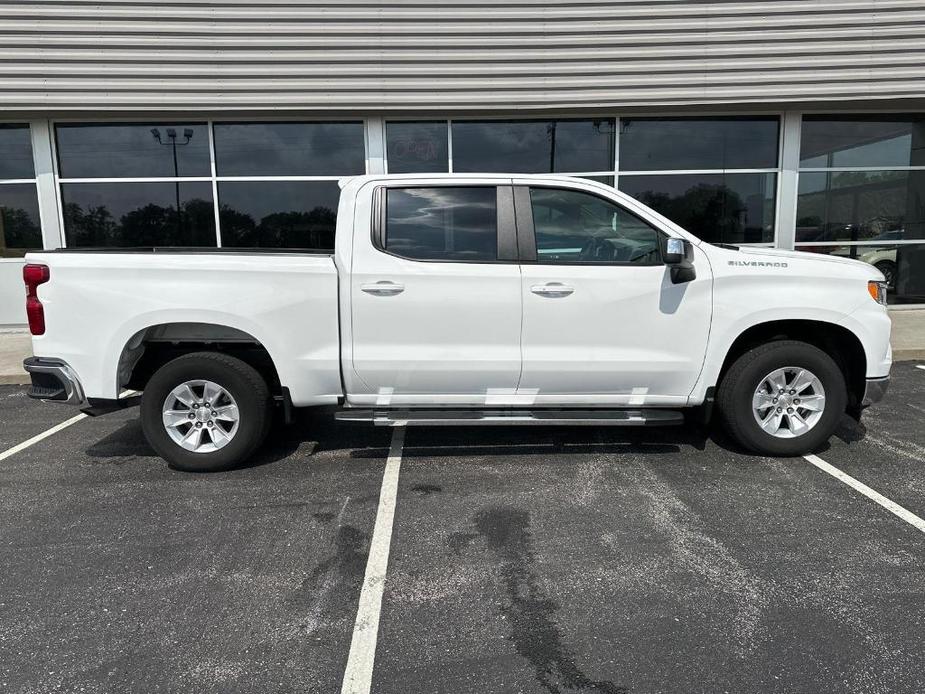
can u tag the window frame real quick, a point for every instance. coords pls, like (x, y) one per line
(526, 230)
(505, 222)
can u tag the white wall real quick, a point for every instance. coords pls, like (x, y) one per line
(12, 293)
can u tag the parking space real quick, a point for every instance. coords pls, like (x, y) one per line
(887, 450)
(121, 575)
(630, 566)
(22, 418)
(521, 560)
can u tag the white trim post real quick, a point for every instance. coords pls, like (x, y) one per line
(616, 153)
(788, 185)
(449, 146)
(215, 208)
(375, 145)
(46, 187)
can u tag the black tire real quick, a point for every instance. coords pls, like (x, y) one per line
(243, 383)
(738, 386)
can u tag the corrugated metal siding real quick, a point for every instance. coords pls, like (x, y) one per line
(455, 56)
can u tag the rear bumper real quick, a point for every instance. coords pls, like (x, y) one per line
(54, 380)
(875, 390)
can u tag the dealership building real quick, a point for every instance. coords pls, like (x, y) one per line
(206, 123)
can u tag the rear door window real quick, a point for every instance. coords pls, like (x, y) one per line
(447, 223)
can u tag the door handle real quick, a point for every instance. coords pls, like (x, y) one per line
(552, 289)
(383, 288)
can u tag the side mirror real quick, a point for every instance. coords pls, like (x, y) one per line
(678, 255)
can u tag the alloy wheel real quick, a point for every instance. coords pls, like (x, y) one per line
(788, 402)
(200, 416)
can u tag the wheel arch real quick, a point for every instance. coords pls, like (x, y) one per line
(154, 345)
(835, 340)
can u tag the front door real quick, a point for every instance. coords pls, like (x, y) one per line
(603, 323)
(436, 298)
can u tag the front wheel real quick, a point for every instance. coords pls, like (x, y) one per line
(205, 411)
(784, 398)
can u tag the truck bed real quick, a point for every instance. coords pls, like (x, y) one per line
(98, 300)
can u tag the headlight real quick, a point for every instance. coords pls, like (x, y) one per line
(877, 291)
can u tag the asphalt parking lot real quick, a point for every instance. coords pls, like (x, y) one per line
(519, 560)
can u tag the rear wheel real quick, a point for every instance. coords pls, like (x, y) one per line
(784, 398)
(205, 411)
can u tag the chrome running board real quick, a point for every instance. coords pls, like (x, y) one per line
(433, 418)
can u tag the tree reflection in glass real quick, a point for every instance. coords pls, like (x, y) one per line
(278, 214)
(730, 208)
(309, 230)
(138, 214)
(20, 230)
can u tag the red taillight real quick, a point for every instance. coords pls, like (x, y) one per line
(33, 276)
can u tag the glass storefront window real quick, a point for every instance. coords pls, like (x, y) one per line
(850, 140)
(664, 144)
(556, 146)
(20, 224)
(861, 206)
(863, 214)
(719, 208)
(417, 147)
(20, 228)
(903, 266)
(138, 214)
(278, 214)
(289, 149)
(15, 152)
(150, 150)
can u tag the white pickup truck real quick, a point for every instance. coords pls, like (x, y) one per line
(464, 300)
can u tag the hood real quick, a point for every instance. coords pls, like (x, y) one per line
(803, 256)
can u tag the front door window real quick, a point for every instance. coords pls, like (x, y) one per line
(576, 227)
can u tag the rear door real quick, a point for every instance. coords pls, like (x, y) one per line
(436, 297)
(603, 323)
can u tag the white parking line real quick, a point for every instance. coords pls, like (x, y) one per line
(920, 366)
(889, 505)
(54, 430)
(38, 437)
(358, 677)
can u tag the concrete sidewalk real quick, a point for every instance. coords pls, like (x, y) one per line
(15, 345)
(908, 344)
(908, 334)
